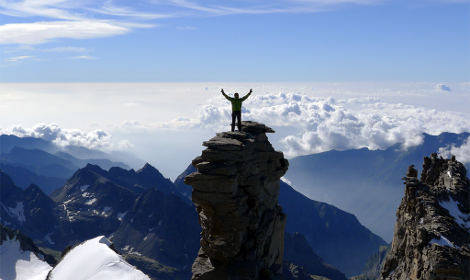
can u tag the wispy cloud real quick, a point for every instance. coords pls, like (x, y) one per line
(84, 57)
(41, 32)
(69, 19)
(67, 49)
(108, 8)
(18, 58)
(58, 19)
(266, 7)
(66, 19)
(186, 27)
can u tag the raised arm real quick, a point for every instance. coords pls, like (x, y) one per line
(226, 96)
(246, 96)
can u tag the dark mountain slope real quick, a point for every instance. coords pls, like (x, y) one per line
(143, 221)
(298, 252)
(24, 177)
(39, 162)
(181, 186)
(30, 210)
(49, 171)
(161, 226)
(7, 142)
(335, 235)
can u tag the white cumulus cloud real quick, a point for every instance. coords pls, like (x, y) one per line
(94, 139)
(461, 153)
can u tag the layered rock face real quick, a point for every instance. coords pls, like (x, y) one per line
(432, 233)
(235, 191)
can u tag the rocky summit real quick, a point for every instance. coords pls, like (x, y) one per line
(432, 232)
(235, 191)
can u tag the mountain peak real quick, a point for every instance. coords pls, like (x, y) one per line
(433, 224)
(148, 172)
(93, 167)
(147, 168)
(33, 188)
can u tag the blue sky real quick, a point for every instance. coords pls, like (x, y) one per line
(239, 41)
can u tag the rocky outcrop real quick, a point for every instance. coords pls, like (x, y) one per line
(432, 232)
(235, 191)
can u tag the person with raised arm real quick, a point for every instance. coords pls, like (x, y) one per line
(236, 107)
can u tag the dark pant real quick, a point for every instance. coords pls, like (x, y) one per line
(236, 115)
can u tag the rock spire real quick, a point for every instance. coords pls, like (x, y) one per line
(432, 232)
(235, 191)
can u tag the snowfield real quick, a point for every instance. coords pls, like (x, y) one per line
(16, 264)
(91, 260)
(94, 260)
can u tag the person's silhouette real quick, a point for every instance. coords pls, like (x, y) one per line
(236, 108)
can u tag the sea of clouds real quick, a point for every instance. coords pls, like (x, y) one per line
(312, 125)
(307, 119)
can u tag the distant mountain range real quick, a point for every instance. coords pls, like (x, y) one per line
(145, 219)
(148, 217)
(35, 161)
(152, 223)
(366, 183)
(154, 226)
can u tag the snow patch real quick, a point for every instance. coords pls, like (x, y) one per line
(16, 264)
(17, 212)
(91, 201)
(121, 216)
(48, 238)
(86, 194)
(94, 260)
(442, 241)
(84, 187)
(106, 211)
(460, 218)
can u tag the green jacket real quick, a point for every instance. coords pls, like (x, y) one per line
(236, 102)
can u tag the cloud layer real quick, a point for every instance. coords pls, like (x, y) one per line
(462, 153)
(166, 123)
(311, 125)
